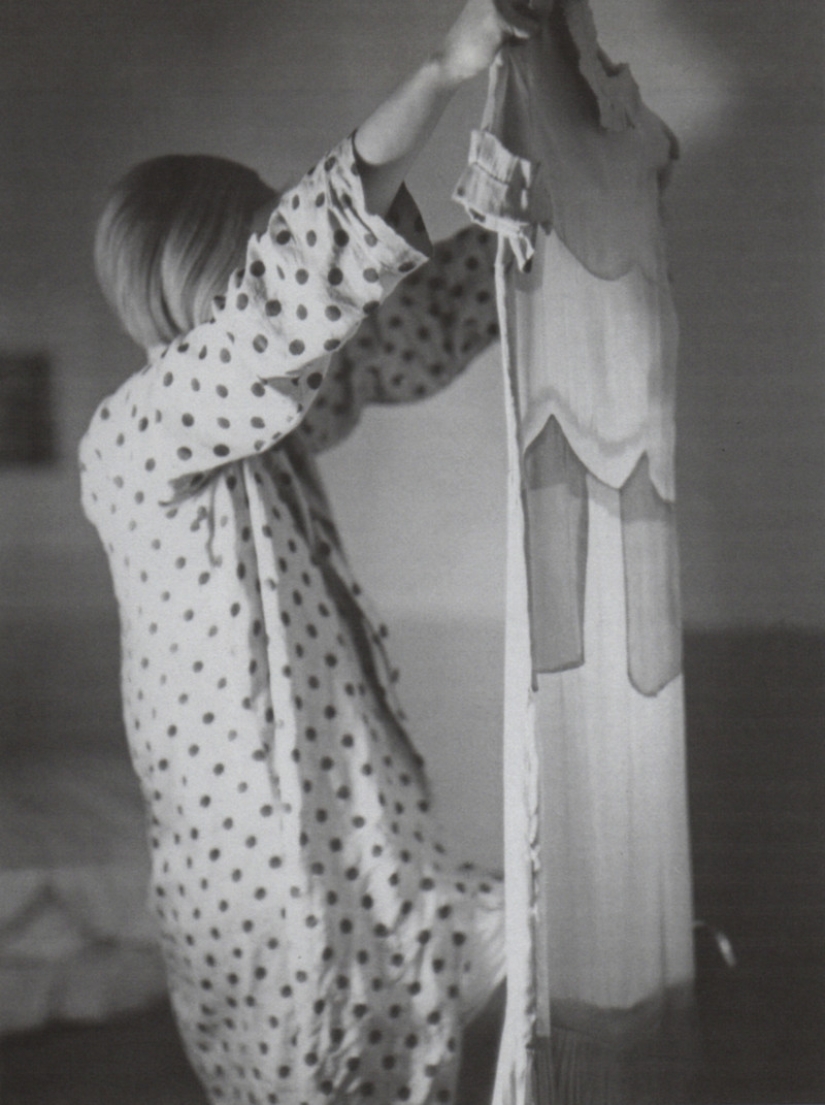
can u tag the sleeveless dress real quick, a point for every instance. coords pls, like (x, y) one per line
(568, 167)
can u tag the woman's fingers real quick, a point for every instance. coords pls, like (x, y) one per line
(521, 20)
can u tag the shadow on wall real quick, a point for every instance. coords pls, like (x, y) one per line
(747, 250)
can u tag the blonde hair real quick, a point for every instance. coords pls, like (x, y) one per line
(169, 237)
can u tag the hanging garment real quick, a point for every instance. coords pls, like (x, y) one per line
(568, 169)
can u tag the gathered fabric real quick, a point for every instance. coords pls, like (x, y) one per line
(320, 942)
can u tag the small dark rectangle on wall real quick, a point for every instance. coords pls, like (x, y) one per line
(26, 424)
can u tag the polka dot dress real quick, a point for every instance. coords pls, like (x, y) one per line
(320, 943)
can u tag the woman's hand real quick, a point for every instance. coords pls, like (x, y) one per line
(390, 139)
(477, 35)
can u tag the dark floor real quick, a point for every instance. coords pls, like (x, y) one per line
(756, 730)
(756, 707)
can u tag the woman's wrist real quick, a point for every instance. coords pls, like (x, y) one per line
(445, 70)
(398, 128)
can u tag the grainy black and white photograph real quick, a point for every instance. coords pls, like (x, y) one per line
(412, 561)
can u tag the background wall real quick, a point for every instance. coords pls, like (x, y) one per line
(89, 86)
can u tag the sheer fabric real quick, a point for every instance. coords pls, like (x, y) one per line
(568, 168)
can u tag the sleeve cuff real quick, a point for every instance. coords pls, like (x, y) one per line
(400, 243)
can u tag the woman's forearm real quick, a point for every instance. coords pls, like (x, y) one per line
(388, 142)
(392, 136)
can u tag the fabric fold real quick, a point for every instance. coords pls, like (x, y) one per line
(495, 189)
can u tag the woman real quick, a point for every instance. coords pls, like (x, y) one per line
(320, 944)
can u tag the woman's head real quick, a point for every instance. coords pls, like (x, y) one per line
(169, 237)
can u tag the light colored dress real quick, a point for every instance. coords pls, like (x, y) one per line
(320, 943)
(568, 166)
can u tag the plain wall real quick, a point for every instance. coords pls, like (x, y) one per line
(89, 86)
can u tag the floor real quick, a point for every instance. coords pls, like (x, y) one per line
(756, 706)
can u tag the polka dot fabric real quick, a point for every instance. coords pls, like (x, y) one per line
(321, 944)
(426, 332)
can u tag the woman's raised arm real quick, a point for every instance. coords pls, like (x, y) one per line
(389, 140)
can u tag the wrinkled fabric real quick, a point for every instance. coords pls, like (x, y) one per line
(76, 938)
